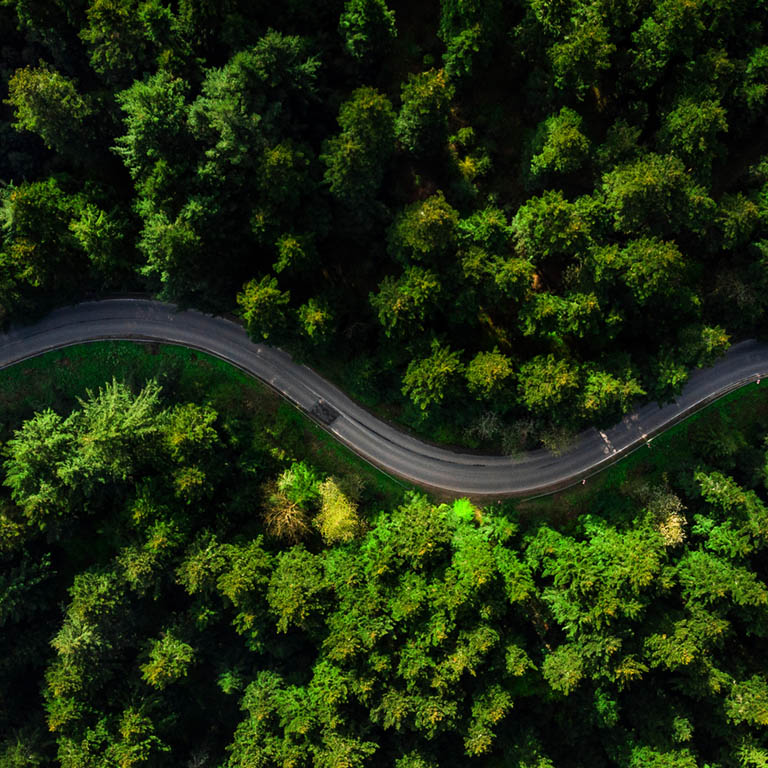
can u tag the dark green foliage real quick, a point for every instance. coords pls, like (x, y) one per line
(424, 229)
(581, 178)
(403, 304)
(155, 141)
(489, 374)
(691, 130)
(546, 383)
(607, 396)
(169, 660)
(357, 158)
(428, 380)
(463, 51)
(655, 193)
(125, 38)
(649, 267)
(559, 145)
(102, 236)
(262, 304)
(631, 637)
(49, 459)
(422, 123)
(550, 226)
(238, 110)
(469, 31)
(583, 49)
(426, 634)
(48, 104)
(316, 321)
(47, 243)
(367, 27)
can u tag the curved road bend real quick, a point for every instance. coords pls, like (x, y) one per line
(536, 473)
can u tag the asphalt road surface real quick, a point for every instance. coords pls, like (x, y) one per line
(535, 473)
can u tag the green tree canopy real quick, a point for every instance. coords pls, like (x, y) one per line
(367, 27)
(403, 303)
(169, 660)
(425, 230)
(690, 131)
(559, 145)
(655, 193)
(583, 51)
(49, 104)
(40, 248)
(650, 268)
(357, 158)
(126, 37)
(263, 306)
(550, 225)
(156, 143)
(428, 380)
(547, 384)
(607, 396)
(422, 123)
(489, 374)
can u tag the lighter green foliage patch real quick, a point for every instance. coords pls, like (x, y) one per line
(169, 661)
(559, 145)
(428, 380)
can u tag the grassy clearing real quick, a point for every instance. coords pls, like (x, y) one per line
(57, 379)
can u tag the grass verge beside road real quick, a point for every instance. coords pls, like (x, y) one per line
(716, 430)
(55, 380)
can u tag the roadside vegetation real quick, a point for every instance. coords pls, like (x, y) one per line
(57, 379)
(493, 222)
(189, 577)
(497, 221)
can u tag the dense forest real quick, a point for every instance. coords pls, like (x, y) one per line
(497, 221)
(178, 588)
(494, 221)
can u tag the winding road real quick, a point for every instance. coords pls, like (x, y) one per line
(536, 473)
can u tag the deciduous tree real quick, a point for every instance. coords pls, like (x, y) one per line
(489, 374)
(655, 193)
(428, 380)
(691, 131)
(263, 305)
(357, 158)
(422, 123)
(549, 226)
(403, 303)
(338, 520)
(425, 230)
(169, 660)
(559, 145)
(367, 28)
(47, 103)
(546, 384)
